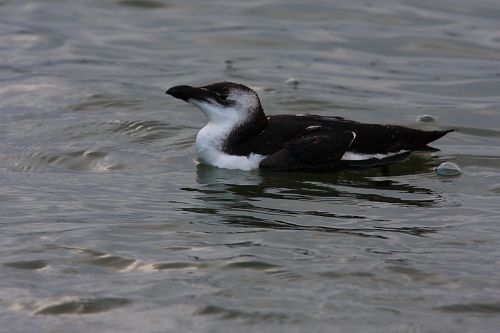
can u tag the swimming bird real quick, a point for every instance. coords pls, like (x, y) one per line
(239, 135)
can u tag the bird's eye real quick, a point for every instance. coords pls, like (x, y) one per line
(223, 97)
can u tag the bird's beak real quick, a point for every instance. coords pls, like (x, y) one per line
(187, 93)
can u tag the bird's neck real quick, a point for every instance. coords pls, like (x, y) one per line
(228, 137)
(244, 131)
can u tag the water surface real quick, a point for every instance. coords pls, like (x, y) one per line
(107, 224)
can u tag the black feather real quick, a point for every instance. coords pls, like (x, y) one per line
(370, 138)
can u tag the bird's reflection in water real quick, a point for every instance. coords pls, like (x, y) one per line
(241, 198)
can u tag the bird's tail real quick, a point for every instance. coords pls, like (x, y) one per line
(426, 138)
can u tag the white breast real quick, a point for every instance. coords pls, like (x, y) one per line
(209, 144)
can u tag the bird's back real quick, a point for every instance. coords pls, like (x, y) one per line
(370, 138)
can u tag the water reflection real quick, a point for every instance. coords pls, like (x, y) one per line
(253, 199)
(381, 184)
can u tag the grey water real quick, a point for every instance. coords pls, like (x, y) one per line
(107, 224)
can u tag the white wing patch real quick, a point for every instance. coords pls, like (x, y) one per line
(350, 156)
(312, 127)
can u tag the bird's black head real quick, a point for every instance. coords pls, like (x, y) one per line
(221, 102)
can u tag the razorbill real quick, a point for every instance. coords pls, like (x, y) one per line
(239, 135)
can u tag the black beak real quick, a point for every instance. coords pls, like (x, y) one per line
(187, 92)
(181, 92)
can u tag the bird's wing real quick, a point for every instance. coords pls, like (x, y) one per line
(373, 138)
(375, 161)
(317, 148)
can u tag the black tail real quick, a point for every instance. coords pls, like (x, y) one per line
(426, 137)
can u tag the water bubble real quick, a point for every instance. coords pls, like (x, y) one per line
(229, 64)
(448, 169)
(294, 83)
(426, 118)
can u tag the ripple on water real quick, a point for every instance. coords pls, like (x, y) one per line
(143, 4)
(81, 160)
(112, 262)
(143, 131)
(254, 316)
(470, 88)
(98, 102)
(495, 189)
(251, 264)
(415, 274)
(81, 306)
(26, 40)
(102, 259)
(485, 308)
(350, 275)
(175, 265)
(30, 265)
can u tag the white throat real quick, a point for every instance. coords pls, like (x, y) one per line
(222, 119)
(209, 147)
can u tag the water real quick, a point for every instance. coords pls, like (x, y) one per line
(108, 225)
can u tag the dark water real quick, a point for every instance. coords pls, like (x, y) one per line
(108, 225)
